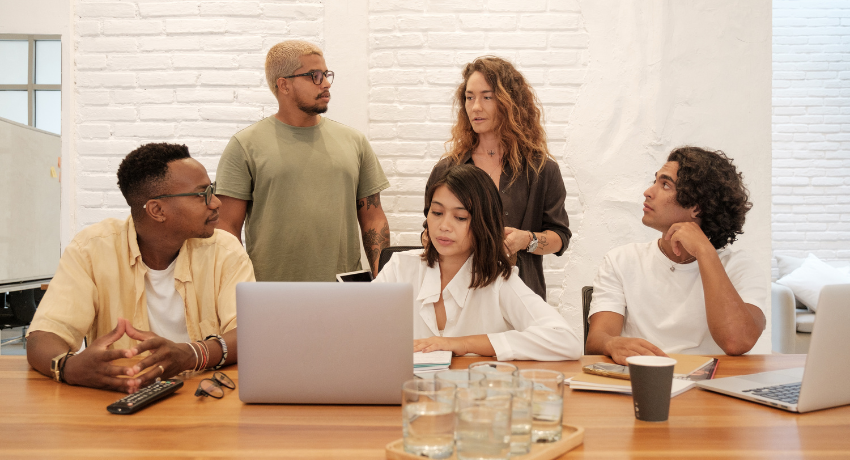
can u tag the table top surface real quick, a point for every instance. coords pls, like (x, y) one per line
(40, 418)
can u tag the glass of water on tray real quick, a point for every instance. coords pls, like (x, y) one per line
(428, 418)
(547, 403)
(483, 423)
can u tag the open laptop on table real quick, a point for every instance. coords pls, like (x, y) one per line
(324, 343)
(823, 383)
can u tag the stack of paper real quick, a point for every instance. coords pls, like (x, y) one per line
(687, 367)
(600, 383)
(424, 363)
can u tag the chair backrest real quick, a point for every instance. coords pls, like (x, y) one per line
(586, 296)
(388, 252)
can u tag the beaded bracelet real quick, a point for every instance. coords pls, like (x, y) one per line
(194, 369)
(205, 353)
(223, 351)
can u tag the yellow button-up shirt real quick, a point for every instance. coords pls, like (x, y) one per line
(101, 278)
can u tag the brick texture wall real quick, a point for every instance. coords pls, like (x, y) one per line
(192, 72)
(177, 71)
(416, 53)
(811, 129)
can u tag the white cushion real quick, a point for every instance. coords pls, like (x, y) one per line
(787, 264)
(805, 321)
(807, 281)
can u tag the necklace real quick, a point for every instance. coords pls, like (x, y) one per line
(673, 267)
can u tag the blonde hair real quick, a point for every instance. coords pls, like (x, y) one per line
(282, 60)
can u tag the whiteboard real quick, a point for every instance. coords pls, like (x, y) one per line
(29, 203)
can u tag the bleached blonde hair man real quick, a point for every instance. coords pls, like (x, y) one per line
(282, 60)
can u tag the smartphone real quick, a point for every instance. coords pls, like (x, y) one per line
(616, 371)
(364, 276)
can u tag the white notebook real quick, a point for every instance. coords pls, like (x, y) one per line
(425, 363)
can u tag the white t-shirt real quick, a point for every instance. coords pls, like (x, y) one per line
(667, 308)
(518, 322)
(166, 309)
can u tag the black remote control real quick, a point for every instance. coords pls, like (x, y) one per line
(144, 397)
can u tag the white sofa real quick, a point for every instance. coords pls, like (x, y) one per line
(791, 326)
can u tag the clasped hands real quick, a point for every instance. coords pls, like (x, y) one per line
(93, 366)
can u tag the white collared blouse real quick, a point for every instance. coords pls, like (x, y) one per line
(518, 322)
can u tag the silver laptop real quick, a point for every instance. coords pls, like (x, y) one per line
(823, 382)
(324, 343)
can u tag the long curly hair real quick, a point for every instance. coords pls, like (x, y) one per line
(520, 124)
(480, 197)
(709, 180)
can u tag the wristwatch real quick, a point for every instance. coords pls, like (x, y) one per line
(533, 245)
(56, 365)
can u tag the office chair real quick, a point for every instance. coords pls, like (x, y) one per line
(387, 253)
(586, 296)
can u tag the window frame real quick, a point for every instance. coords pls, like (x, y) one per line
(31, 87)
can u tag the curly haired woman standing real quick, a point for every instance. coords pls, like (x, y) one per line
(499, 129)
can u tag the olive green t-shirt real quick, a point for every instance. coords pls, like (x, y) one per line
(302, 187)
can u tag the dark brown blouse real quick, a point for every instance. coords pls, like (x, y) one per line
(534, 203)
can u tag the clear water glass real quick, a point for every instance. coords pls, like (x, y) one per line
(547, 404)
(460, 377)
(521, 418)
(494, 370)
(428, 418)
(483, 424)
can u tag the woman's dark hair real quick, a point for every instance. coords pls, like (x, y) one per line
(479, 195)
(710, 180)
(143, 172)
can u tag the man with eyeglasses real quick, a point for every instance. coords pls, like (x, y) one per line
(161, 281)
(301, 183)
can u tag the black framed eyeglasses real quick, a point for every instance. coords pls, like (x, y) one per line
(207, 194)
(317, 76)
(213, 387)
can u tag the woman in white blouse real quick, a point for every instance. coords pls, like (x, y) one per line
(467, 296)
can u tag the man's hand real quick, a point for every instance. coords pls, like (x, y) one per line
(456, 345)
(167, 358)
(93, 366)
(690, 237)
(516, 240)
(620, 348)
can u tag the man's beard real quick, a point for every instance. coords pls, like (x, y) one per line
(314, 109)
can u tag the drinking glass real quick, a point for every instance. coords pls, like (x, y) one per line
(494, 370)
(547, 403)
(521, 418)
(483, 424)
(428, 419)
(460, 377)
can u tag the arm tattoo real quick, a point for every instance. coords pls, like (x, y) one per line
(374, 243)
(361, 203)
(541, 240)
(373, 201)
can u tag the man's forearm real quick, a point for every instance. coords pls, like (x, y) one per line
(42, 347)
(376, 237)
(731, 322)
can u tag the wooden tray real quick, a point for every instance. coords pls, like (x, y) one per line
(571, 437)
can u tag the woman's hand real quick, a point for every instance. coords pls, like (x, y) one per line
(516, 240)
(456, 345)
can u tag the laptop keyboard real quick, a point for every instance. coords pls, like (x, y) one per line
(788, 393)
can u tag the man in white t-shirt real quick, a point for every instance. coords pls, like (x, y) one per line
(688, 291)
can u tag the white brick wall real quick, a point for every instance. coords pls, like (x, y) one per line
(178, 71)
(192, 72)
(811, 129)
(417, 52)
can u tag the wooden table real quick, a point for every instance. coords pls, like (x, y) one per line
(42, 419)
